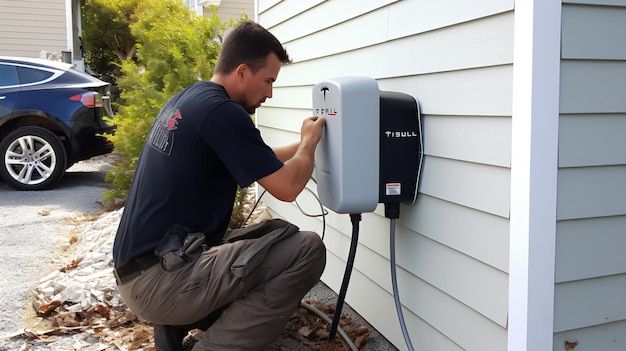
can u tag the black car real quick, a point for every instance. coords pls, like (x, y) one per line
(51, 116)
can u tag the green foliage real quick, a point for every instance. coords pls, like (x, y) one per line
(240, 210)
(175, 48)
(107, 38)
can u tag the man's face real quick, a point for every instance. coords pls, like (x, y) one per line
(258, 86)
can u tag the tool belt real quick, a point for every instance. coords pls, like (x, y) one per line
(177, 248)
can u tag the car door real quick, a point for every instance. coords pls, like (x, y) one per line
(9, 90)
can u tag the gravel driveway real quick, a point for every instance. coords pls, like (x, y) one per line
(34, 226)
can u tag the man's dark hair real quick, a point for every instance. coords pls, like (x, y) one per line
(248, 43)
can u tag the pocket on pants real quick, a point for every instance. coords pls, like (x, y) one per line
(179, 247)
(252, 257)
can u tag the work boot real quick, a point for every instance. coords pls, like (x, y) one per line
(169, 337)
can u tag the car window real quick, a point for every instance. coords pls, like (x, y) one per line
(8, 76)
(32, 75)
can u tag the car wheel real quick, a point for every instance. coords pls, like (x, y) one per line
(33, 158)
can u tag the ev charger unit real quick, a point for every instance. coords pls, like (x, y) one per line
(370, 151)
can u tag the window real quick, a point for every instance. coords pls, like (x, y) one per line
(32, 75)
(8, 76)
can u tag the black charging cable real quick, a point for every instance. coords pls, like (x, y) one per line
(392, 211)
(355, 218)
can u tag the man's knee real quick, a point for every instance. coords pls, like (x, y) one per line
(315, 254)
(313, 244)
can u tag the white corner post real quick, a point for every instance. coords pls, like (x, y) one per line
(534, 165)
(69, 22)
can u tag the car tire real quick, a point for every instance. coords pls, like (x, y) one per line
(33, 158)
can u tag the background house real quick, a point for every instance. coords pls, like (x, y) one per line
(47, 28)
(41, 29)
(227, 9)
(516, 238)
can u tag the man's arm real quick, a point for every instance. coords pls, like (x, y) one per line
(286, 183)
(286, 152)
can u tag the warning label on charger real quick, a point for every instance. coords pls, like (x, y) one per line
(393, 189)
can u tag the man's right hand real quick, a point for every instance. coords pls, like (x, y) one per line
(312, 129)
(286, 183)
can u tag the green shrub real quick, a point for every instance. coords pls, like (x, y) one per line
(175, 48)
(106, 33)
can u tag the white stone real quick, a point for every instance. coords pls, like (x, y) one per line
(50, 276)
(47, 291)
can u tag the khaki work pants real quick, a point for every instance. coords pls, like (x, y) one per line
(257, 300)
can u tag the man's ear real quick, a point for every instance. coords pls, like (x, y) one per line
(241, 71)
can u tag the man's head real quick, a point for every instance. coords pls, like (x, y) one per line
(249, 44)
(248, 64)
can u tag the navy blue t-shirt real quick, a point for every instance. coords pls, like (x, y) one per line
(202, 144)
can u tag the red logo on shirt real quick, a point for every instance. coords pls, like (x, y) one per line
(171, 124)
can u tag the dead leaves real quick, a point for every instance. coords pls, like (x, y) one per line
(95, 318)
(110, 325)
(47, 309)
(329, 347)
(98, 316)
(71, 265)
(570, 345)
(307, 331)
(137, 336)
(120, 327)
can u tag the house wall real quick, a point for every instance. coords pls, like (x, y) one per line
(591, 235)
(27, 27)
(233, 9)
(455, 57)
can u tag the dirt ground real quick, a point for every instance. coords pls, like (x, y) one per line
(119, 329)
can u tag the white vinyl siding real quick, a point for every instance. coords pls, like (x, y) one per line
(455, 57)
(232, 9)
(480, 43)
(27, 27)
(586, 192)
(591, 234)
(592, 139)
(590, 248)
(590, 86)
